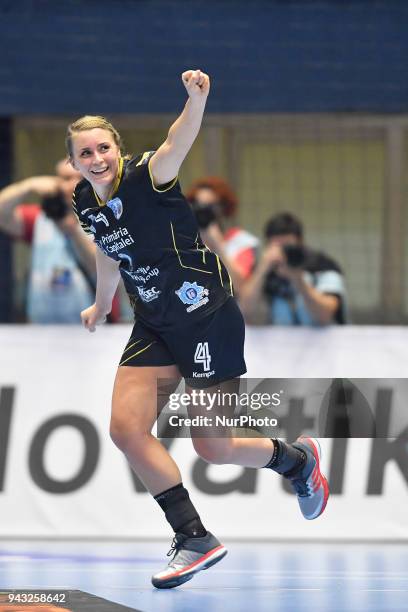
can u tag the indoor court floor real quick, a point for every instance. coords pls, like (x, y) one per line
(254, 577)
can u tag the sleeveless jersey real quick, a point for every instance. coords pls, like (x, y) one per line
(171, 277)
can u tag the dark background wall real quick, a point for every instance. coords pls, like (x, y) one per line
(125, 56)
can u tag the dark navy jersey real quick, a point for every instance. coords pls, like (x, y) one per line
(169, 274)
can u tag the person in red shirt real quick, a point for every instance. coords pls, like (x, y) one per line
(214, 202)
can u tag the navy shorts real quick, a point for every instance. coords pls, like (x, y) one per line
(206, 353)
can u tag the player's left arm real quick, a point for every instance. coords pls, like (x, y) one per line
(166, 162)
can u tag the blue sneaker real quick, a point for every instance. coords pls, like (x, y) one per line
(311, 487)
(191, 555)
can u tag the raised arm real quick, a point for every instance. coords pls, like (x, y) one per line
(166, 162)
(108, 277)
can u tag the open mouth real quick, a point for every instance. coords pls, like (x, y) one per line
(100, 171)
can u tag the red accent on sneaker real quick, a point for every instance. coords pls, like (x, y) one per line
(192, 565)
(323, 480)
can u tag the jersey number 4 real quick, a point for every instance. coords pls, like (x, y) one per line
(202, 355)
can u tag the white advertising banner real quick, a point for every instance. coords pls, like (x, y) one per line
(60, 474)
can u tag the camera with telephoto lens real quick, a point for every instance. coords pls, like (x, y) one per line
(205, 215)
(278, 286)
(55, 207)
(295, 255)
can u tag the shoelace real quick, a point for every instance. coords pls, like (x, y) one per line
(178, 540)
(302, 488)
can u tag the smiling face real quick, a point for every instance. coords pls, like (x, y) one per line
(96, 155)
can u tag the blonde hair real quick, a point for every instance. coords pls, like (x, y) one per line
(90, 122)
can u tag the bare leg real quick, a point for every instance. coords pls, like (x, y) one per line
(248, 452)
(134, 412)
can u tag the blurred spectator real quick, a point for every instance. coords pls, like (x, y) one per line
(297, 285)
(213, 201)
(62, 271)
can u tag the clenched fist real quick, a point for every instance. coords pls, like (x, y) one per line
(197, 84)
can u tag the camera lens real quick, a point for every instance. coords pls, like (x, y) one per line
(295, 255)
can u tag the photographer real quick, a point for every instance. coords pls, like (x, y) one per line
(213, 202)
(297, 285)
(62, 270)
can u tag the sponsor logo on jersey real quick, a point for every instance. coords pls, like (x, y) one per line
(116, 241)
(142, 274)
(203, 374)
(116, 206)
(99, 218)
(148, 295)
(193, 294)
(145, 273)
